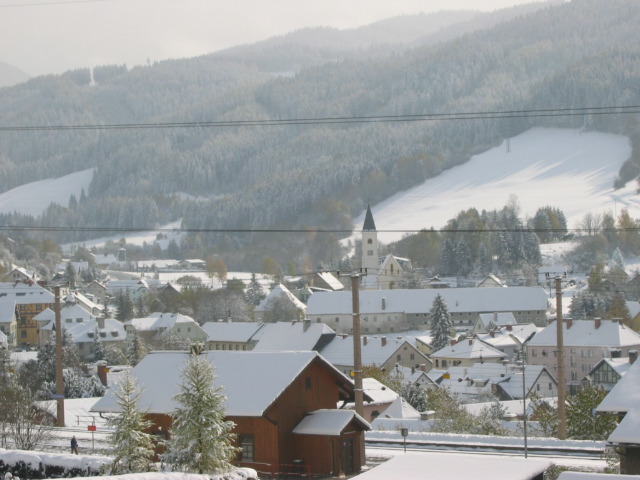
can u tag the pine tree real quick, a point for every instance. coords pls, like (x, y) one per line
(254, 292)
(136, 350)
(97, 348)
(201, 439)
(132, 448)
(440, 324)
(582, 422)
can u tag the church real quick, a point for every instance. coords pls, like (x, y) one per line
(382, 273)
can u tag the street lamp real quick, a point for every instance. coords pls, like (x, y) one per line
(521, 359)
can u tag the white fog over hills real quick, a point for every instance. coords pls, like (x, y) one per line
(573, 170)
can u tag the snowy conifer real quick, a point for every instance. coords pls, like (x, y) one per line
(254, 292)
(97, 348)
(440, 324)
(136, 350)
(201, 439)
(132, 448)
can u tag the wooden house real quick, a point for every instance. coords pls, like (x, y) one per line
(283, 404)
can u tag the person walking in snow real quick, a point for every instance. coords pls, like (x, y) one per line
(74, 445)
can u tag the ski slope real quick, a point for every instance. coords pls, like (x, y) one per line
(569, 169)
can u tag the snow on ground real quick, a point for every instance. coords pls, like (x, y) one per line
(569, 169)
(33, 198)
(170, 231)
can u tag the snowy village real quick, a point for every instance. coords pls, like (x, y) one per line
(345, 240)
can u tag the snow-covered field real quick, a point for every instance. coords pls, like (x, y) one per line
(33, 198)
(569, 169)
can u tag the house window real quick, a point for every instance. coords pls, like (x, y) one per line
(337, 319)
(538, 387)
(398, 358)
(69, 320)
(412, 356)
(534, 352)
(246, 448)
(370, 253)
(369, 241)
(114, 334)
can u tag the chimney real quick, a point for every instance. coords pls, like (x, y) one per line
(383, 340)
(452, 342)
(597, 323)
(101, 322)
(509, 328)
(102, 372)
(364, 340)
(423, 367)
(495, 317)
(471, 341)
(633, 356)
(569, 323)
(492, 333)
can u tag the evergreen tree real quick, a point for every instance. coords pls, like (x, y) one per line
(124, 306)
(254, 292)
(70, 275)
(136, 350)
(582, 421)
(440, 324)
(97, 348)
(415, 395)
(132, 448)
(201, 439)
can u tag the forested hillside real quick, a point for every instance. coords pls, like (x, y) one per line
(571, 55)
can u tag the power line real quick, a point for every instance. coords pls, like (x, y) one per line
(30, 228)
(459, 116)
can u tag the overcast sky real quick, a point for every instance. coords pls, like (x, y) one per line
(51, 36)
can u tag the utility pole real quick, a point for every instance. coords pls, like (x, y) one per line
(59, 359)
(357, 354)
(562, 415)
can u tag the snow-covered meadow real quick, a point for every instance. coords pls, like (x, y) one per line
(572, 170)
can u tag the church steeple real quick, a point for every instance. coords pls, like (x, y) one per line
(369, 224)
(369, 259)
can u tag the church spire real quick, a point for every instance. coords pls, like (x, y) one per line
(369, 224)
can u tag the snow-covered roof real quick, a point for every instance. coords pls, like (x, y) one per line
(400, 408)
(497, 318)
(331, 280)
(468, 349)
(280, 291)
(583, 333)
(232, 331)
(84, 332)
(375, 350)
(7, 311)
(619, 365)
(77, 411)
(625, 395)
(457, 466)
(134, 284)
(470, 380)
(25, 293)
(299, 336)
(158, 321)
(421, 300)
(378, 392)
(328, 422)
(252, 381)
(70, 315)
(628, 431)
(634, 308)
